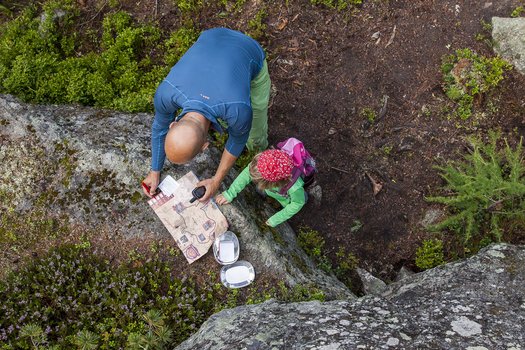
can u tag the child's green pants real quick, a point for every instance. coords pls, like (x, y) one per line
(260, 96)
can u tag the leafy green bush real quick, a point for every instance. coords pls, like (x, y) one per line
(37, 55)
(430, 254)
(178, 43)
(72, 290)
(486, 192)
(467, 75)
(189, 5)
(256, 26)
(337, 4)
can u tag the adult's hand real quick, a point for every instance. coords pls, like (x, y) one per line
(152, 181)
(211, 185)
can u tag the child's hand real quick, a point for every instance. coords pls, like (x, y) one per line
(221, 200)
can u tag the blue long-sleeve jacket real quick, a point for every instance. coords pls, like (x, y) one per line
(212, 78)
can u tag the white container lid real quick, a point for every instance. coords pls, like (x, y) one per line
(222, 248)
(237, 275)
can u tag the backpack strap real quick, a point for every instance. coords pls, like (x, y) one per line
(296, 173)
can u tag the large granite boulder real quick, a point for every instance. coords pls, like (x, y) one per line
(476, 304)
(88, 164)
(509, 38)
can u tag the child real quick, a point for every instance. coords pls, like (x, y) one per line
(270, 170)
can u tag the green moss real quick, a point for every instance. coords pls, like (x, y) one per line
(136, 197)
(467, 76)
(300, 292)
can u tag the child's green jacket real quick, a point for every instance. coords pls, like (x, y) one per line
(291, 204)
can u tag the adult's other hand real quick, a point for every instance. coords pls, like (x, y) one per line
(152, 181)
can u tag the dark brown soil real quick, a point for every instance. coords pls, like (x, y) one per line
(336, 71)
(327, 69)
(327, 66)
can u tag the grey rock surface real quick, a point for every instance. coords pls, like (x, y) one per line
(403, 273)
(509, 38)
(87, 164)
(432, 216)
(371, 284)
(477, 303)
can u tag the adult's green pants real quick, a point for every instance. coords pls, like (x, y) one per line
(260, 97)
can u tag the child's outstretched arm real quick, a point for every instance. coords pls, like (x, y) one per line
(297, 201)
(237, 186)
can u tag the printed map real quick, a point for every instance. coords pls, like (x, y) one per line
(194, 226)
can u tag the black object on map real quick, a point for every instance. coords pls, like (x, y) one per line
(198, 192)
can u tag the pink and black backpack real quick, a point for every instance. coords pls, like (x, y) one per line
(304, 163)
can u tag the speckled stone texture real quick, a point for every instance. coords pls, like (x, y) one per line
(509, 38)
(474, 304)
(87, 164)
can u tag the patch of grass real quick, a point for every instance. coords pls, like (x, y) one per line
(299, 293)
(487, 26)
(430, 254)
(467, 76)
(485, 193)
(337, 4)
(346, 263)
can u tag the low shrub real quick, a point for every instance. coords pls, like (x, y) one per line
(72, 290)
(467, 76)
(485, 193)
(311, 241)
(73, 297)
(257, 26)
(430, 254)
(313, 244)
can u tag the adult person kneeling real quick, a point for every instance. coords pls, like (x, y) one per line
(223, 76)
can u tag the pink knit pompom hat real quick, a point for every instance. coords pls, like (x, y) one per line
(274, 165)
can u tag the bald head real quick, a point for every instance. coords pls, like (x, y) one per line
(185, 139)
